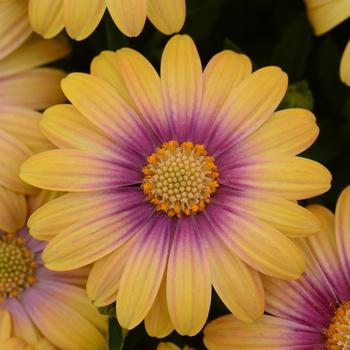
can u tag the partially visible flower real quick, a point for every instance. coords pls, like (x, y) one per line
(325, 15)
(171, 346)
(177, 183)
(41, 303)
(310, 313)
(80, 18)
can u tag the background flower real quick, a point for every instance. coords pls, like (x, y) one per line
(151, 253)
(311, 312)
(80, 18)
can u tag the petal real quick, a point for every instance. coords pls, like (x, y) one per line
(143, 272)
(143, 83)
(342, 229)
(326, 15)
(74, 170)
(323, 247)
(15, 28)
(345, 65)
(268, 333)
(188, 280)
(94, 237)
(103, 106)
(23, 124)
(18, 89)
(5, 321)
(16, 344)
(46, 17)
(289, 177)
(257, 243)
(224, 72)
(287, 132)
(157, 321)
(104, 279)
(309, 301)
(286, 216)
(237, 284)
(247, 108)
(181, 81)
(13, 154)
(105, 66)
(53, 217)
(168, 16)
(128, 15)
(22, 325)
(60, 323)
(66, 127)
(36, 51)
(82, 18)
(167, 346)
(13, 210)
(75, 298)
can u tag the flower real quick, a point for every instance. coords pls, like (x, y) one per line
(310, 313)
(80, 18)
(325, 15)
(214, 136)
(41, 303)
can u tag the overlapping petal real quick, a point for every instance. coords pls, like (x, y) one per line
(181, 82)
(268, 333)
(278, 175)
(168, 16)
(345, 65)
(143, 272)
(224, 72)
(15, 27)
(74, 170)
(46, 17)
(5, 321)
(188, 266)
(108, 111)
(17, 90)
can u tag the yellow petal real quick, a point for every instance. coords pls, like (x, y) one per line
(168, 16)
(46, 17)
(5, 321)
(82, 17)
(345, 65)
(128, 15)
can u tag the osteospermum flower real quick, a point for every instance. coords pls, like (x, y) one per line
(324, 15)
(80, 18)
(310, 313)
(179, 183)
(41, 303)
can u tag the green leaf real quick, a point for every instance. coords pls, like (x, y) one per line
(115, 336)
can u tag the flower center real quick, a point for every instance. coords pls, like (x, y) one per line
(180, 178)
(338, 333)
(16, 266)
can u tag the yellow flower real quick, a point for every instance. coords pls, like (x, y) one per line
(178, 183)
(80, 18)
(325, 15)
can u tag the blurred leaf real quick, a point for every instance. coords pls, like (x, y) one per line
(298, 95)
(115, 334)
(293, 48)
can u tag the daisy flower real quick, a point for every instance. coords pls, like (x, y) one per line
(80, 18)
(310, 313)
(324, 15)
(178, 183)
(39, 302)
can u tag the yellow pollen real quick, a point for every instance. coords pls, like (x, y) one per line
(16, 266)
(338, 333)
(180, 178)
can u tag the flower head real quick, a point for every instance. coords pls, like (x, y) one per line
(178, 183)
(37, 303)
(324, 16)
(80, 18)
(312, 312)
